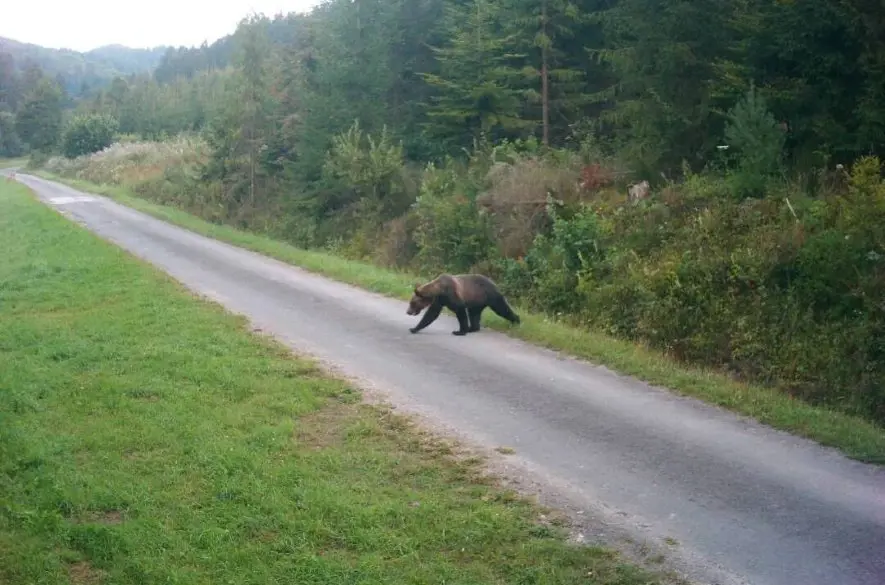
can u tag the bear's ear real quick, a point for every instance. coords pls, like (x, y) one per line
(417, 289)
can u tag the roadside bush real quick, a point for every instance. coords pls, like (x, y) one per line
(574, 251)
(88, 133)
(784, 290)
(451, 233)
(360, 169)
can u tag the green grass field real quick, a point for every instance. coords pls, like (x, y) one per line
(856, 437)
(147, 436)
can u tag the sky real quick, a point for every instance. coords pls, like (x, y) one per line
(87, 24)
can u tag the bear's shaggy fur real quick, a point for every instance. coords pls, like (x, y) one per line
(466, 295)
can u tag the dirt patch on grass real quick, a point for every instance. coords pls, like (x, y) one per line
(82, 573)
(267, 536)
(144, 395)
(108, 517)
(326, 427)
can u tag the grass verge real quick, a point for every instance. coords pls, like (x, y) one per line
(147, 437)
(856, 437)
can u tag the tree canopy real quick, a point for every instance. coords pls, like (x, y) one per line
(654, 79)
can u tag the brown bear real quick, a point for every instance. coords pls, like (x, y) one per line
(466, 295)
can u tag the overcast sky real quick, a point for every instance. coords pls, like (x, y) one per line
(86, 24)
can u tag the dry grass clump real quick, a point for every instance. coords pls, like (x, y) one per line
(517, 198)
(130, 163)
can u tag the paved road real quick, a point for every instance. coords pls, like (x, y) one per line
(743, 503)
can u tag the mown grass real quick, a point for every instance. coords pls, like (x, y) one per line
(147, 436)
(856, 437)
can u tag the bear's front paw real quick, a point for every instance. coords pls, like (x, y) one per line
(459, 332)
(413, 330)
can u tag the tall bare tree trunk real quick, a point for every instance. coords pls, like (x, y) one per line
(251, 123)
(545, 84)
(252, 177)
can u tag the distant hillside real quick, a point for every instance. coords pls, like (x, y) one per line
(128, 60)
(188, 61)
(82, 72)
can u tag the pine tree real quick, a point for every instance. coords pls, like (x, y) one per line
(10, 144)
(253, 95)
(345, 76)
(415, 28)
(240, 133)
(478, 86)
(39, 121)
(544, 26)
(9, 83)
(833, 101)
(757, 141)
(664, 53)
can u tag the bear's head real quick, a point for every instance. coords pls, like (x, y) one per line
(419, 302)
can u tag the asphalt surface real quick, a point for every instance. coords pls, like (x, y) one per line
(737, 502)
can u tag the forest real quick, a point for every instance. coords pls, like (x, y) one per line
(701, 176)
(77, 73)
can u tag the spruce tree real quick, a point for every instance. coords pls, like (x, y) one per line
(477, 89)
(543, 27)
(39, 121)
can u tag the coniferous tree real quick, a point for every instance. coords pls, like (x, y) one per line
(39, 121)
(664, 55)
(345, 76)
(9, 83)
(242, 131)
(479, 89)
(10, 143)
(415, 29)
(545, 26)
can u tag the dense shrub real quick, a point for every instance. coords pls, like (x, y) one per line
(451, 233)
(365, 185)
(88, 133)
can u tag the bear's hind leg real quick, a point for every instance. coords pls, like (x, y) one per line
(502, 309)
(474, 314)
